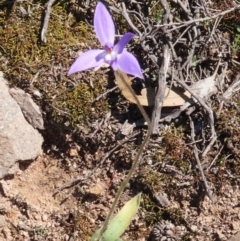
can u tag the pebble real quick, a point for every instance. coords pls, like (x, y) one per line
(44, 217)
(24, 233)
(92, 220)
(66, 237)
(48, 225)
(194, 228)
(37, 216)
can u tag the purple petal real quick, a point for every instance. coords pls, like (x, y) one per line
(103, 25)
(129, 64)
(114, 65)
(87, 60)
(123, 42)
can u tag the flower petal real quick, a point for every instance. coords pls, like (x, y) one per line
(87, 60)
(114, 65)
(129, 64)
(123, 42)
(103, 25)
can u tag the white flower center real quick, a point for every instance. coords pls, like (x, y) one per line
(110, 56)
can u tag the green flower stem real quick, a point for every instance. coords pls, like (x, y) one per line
(135, 162)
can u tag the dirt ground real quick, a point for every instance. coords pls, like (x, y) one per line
(29, 211)
(89, 124)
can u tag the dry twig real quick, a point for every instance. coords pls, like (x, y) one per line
(104, 94)
(162, 76)
(195, 151)
(186, 23)
(46, 20)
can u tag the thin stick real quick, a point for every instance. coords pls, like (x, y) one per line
(160, 95)
(183, 24)
(215, 158)
(46, 20)
(105, 93)
(195, 151)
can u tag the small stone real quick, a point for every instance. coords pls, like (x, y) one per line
(37, 216)
(92, 220)
(97, 189)
(72, 152)
(24, 233)
(162, 199)
(66, 237)
(48, 225)
(29, 108)
(127, 128)
(194, 228)
(44, 217)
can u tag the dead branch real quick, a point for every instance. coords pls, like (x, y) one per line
(46, 20)
(160, 95)
(225, 98)
(186, 23)
(234, 87)
(104, 94)
(195, 151)
(162, 76)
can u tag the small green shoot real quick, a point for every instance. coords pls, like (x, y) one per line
(236, 41)
(222, 160)
(120, 222)
(194, 60)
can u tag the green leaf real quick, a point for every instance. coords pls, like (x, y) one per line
(120, 222)
(194, 59)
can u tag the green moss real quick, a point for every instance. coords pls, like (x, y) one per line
(19, 37)
(229, 119)
(78, 103)
(84, 228)
(23, 56)
(152, 179)
(175, 149)
(154, 213)
(156, 11)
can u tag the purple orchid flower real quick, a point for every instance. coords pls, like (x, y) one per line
(114, 55)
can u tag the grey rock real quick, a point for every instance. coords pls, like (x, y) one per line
(19, 141)
(162, 199)
(30, 109)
